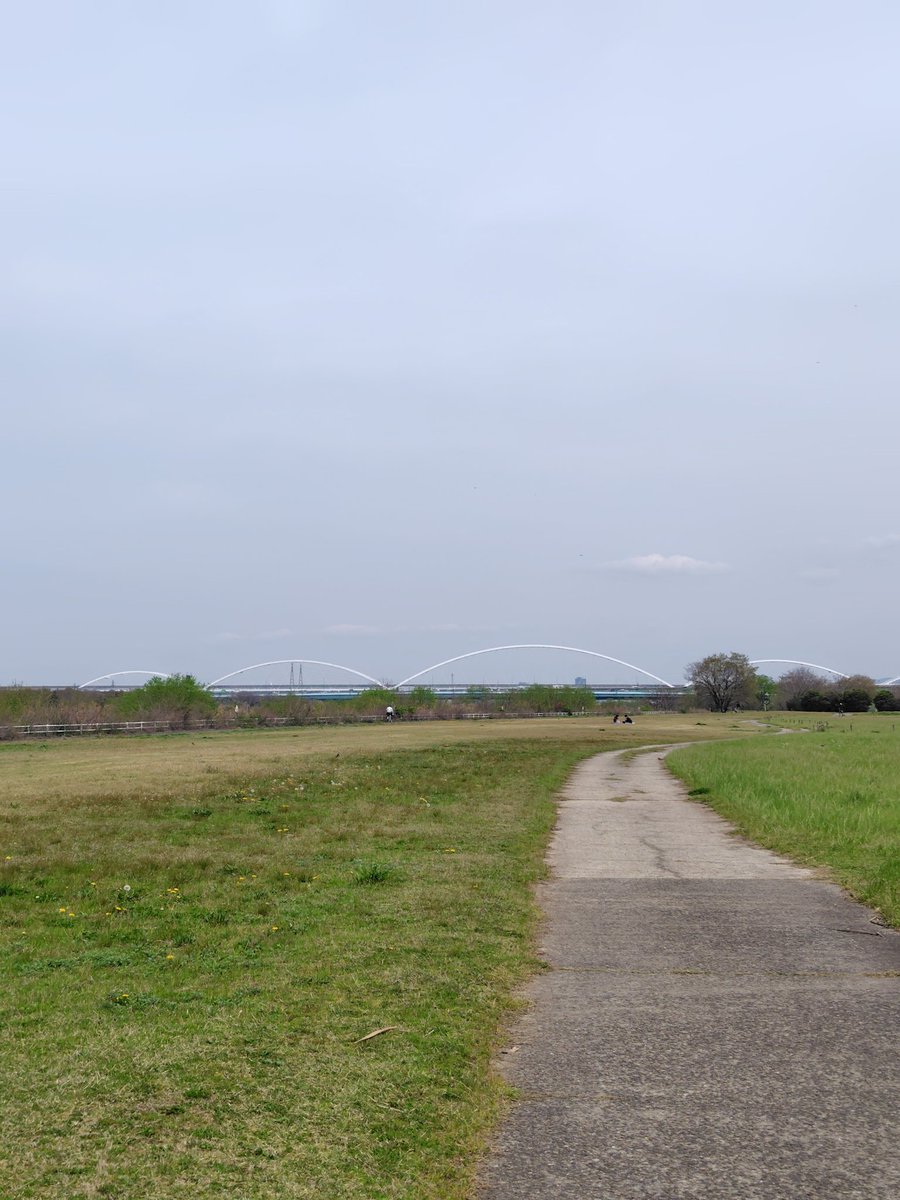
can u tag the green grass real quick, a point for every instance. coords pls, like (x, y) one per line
(186, 977)
(190, 954)
(828, 797)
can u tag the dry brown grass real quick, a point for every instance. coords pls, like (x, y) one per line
(165, 764)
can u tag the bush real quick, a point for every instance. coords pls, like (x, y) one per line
(179, 699)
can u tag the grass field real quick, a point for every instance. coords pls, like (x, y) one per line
(828, 797)
(52, 770)
(196, 931)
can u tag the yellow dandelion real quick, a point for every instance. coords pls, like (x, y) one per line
(170, 956)
(62, 910)
(274, 928)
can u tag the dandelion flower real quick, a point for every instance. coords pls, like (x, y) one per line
(62, 910)
(274, 928)
(170, 956)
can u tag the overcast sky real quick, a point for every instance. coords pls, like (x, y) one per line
(381, 332)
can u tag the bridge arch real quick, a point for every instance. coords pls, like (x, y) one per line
(281, 662)
(116, 674)
(797, 662)
(532, 646)
(891, 682)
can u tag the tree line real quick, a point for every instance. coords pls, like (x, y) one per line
(723, 682)
(182, 703)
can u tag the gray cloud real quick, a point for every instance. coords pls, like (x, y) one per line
(325, 315)
(819, 574)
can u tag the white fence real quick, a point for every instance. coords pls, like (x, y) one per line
(13, 732)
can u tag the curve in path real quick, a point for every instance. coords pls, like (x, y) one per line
(695, 986)
(532, 646)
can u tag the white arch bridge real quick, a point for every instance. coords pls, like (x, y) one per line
(229, 682)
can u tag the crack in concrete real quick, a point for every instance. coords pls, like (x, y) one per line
(659, 857)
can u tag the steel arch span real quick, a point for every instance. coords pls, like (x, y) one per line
(115, 674)
(532, 646)
(891, 682)
(283, 662)
(798, 662)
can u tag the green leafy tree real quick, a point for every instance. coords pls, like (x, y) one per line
(885, 700)
(855, 693)
(722, 681)
(766, 689)
(180, 699)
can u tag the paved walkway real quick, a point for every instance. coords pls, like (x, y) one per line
(715, 1022)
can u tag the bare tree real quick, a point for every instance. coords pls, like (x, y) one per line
(722, 681)
(798, 683)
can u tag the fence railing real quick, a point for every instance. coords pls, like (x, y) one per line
(47, 730)
(82, 728)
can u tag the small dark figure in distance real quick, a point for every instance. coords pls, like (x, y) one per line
(616, 719)
(628, 720)
(389, 713)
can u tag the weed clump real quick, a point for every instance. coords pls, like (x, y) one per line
(374, 872)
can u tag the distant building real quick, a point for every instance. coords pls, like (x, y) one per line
(580, 681)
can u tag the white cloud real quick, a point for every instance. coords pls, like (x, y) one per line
(352, 630)
(669, 564)
(266, 635)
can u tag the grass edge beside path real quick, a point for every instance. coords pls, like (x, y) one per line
(828, 799)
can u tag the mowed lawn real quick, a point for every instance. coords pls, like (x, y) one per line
(191, 954)
(827, 796)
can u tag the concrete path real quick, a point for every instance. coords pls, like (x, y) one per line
(715, 1022)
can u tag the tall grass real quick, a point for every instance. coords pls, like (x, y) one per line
(829, 797)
